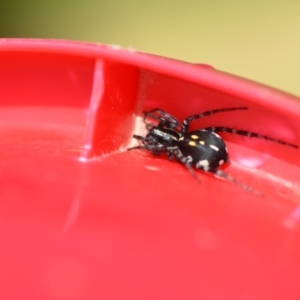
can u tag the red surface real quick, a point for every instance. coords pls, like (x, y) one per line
(80, 218)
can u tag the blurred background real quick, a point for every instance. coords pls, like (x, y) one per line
(258, 39)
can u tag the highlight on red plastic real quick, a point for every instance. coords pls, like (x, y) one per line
(82, 218)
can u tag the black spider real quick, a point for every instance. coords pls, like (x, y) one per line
(202, 148)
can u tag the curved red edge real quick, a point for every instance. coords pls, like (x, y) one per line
(81, 218)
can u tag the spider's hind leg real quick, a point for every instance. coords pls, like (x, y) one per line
(184, 160)
(220, 173)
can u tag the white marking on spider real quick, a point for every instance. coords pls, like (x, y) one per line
(189, 159)
(216, 135)
(221, 162)
(214, 147)
(181, 139)
(202, 163)
(202, 142)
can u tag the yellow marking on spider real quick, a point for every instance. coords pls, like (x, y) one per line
(194, 137)
(202, 142)
(192, 143)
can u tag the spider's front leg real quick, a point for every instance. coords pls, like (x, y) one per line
(155, 149)
(165, 119)
(148, 145)
(186, 122)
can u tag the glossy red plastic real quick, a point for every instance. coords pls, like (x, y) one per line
(82, 218)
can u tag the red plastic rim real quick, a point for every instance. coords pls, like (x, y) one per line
(81, 218)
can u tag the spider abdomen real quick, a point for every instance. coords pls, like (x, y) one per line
(206, 149)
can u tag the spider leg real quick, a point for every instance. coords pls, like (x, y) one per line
(184, 160)
(249, 134)
(139, 137)
(164, 118)
(186, 121)
(170, 156)
(149, 145)
(220, 173)
(140, 147)
(146, 140)
(155, 149)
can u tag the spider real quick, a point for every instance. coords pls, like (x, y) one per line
(203, 148)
